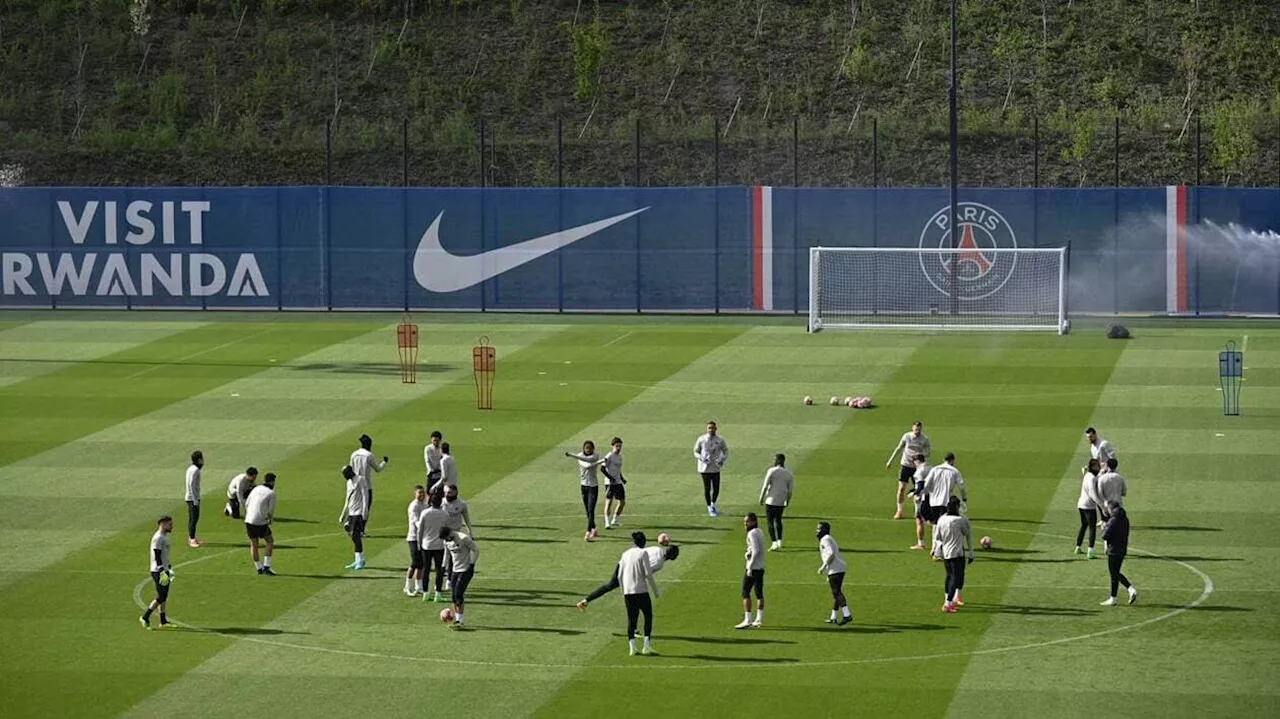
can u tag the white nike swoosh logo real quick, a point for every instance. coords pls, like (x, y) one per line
(438, 270)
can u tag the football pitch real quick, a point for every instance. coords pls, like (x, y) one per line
(102, 410)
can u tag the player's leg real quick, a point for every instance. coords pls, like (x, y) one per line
(948, 585)
(779, 511)
(747, 583)
(770, 520)
(1093, 531)
(905, 476)
(460, 582)
(193, 519)
(608, 507)
(253, 546)
(715, 491)
(415, 566)
(145, 619)
(633, 615)
(270, 542)
(959, 582)
(601, 590)
(646, 608)
(706, 493)
(759, 598)
(620, 499)
(437, 557)
(1085, 522)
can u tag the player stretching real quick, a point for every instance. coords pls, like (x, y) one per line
(238, 491)
(193, 497)
(754, 578)
(637, 581)
(431, 455)
(259, 510)
(588, 463)
(658, 558)
(833, 567)
(775, 495)
(712, 452)
(615, 491)
(365, 464)
(912, 443)
(1088, 505)
(952, 535)
(161, 572)
(917, 494)
(357, 513)
(464, 552)
(413, 578)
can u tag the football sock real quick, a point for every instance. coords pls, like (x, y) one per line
(760, 615)
(419, 586)
(266, 562)
(746, 617)
(360, 557)
(163, 618)
(647, 645)
(844, 610)
(899, 506)
(631, 643)
(833, 614)
(257, 565)
(460, 617)
(146, 616)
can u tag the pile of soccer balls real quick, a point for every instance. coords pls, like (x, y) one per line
(850, 402)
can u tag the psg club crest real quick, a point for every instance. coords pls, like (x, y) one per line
(972, 272)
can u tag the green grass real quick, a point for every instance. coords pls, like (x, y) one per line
(101, 410)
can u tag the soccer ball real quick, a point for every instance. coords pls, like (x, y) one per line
(985, 542)
(835, 401)
(446, 615)
(808, 399)
(663, 539)
(848, 401)
(864, 403)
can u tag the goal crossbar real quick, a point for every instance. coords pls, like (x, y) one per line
(938, 288)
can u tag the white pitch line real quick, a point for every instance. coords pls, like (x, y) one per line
(1245, 347)
(619, 338)
(193, 355)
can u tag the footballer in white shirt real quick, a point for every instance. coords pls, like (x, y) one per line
(658, 558)
(636, 577)
(588, 464)
(161, 572)
(464, 552)
(615, 489)
(365, 464)
(910, 444)
(193, 497)
(357, 510)
(1099, 448)
(431, 455)
(259, 510)
(754, 577)
(833, 568)
(413, 578)
(712, 452)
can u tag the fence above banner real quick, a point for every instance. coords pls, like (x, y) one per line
(1131, 250)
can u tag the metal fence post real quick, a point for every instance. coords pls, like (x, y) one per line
(328, 152)
(875, 152)
(795, 151)
(1197, 174)
(404, 157)
(559, 211)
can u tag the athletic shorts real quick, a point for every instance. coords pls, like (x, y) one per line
(931, 513)
(415, 555)
(355, 525)
(753, 579)
(615, 491)
(836, 582)
(906, 474)
(257, 531)
(162, 590)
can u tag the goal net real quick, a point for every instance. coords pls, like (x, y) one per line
(938, 288)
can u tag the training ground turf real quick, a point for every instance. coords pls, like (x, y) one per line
(99, 412)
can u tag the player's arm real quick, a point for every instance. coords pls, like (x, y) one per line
(824, 549)
(936, 545)
(697, 451)
(474, 549)
(764, 488)
(968, 539)
(724, 452)
(902, 445)
(650, 579)
(466, 519)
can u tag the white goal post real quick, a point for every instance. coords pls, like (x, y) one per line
(933, 288)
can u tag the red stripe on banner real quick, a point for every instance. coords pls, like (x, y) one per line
(757, 248)
(1181, 217)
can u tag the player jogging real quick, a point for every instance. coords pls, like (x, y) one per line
(1116, 535)
(712, 452)
(637, 580)
(952, 536)
(365, 464)
(833, 567)
(1088, 504)
(431, 455)
(588, 463)
(193, 497)
(259, 510)
(615, 490)
(775, 495)
(658, 558)
(917, 494)
(357, 513)
(238, 491)
(413, 577)
(161, 572)
(754, 577)
(912, 443)
(431, 523)
(464, 552)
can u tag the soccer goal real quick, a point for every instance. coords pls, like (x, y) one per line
(938, 288)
